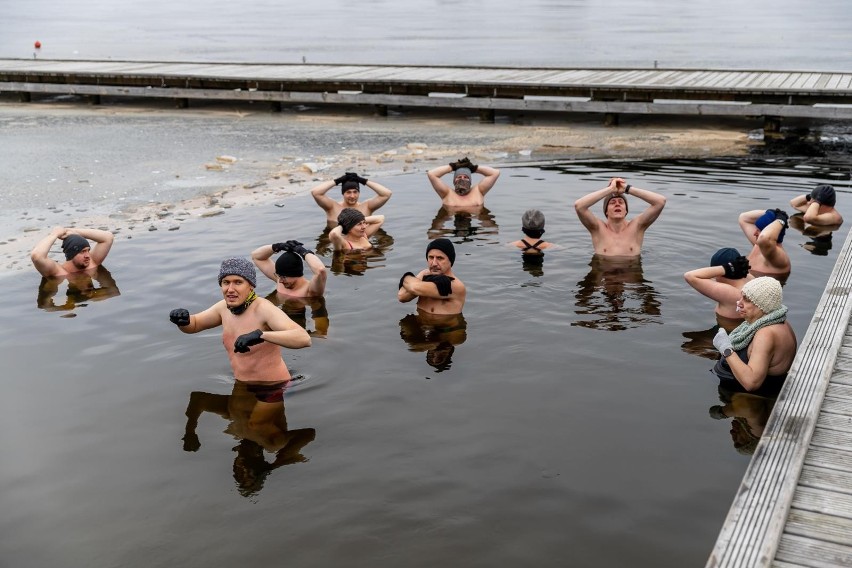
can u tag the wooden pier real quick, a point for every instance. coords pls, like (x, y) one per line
(794, 506)
(770, 95)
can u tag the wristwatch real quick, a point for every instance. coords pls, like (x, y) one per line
(727, 352)
(627, 188)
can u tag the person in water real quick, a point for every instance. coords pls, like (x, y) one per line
(79, 254)
(765, 230)
(532, 225)
(353, 230)
(437, 289)
(616, 235)
(818, 206)
(288, 271)
(722, 282)
(463, 193)
(253, 328)
(760, 351)
(350, 185)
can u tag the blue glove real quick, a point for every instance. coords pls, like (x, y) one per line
(721, 341)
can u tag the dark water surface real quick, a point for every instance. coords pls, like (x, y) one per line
(564, 422)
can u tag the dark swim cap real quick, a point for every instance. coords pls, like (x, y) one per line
(350, 184)
(348, 218)
(724, 256)
(445, 246)
(611, 196)
(824, 194)
(72, 245)
(289, 264)
(764, 220)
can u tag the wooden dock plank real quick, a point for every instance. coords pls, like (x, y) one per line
(819, 526)
(803, 551)
(839, 481)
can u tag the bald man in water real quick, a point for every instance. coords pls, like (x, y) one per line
(616, 235)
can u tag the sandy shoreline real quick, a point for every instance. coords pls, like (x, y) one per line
(386, 147)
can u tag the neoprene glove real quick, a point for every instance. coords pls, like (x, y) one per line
(278, 247)
(246, 340)
(808, 198)
(341, 179)
(179, 317)
(781, 216)
(466, 163)
(361, 180)
(300, 249)
(442, 282)
(401, 280)
(737, 268)
(721, 341)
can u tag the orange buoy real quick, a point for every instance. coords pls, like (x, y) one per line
(38, 44)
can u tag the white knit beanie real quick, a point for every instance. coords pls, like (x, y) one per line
(765, 292)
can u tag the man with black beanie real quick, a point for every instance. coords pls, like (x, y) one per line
(818, 206)
(288, 270)
(350, 186)
(437, 289)
(79, 255)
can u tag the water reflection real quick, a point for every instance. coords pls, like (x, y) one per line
(749, 414)
(616, 295)
(357, 262)
(255, 415)
(820, 235)
(701, 342)
(533, 263)
(463, 225)
(437, 335)
(81, 288)
(297, 310)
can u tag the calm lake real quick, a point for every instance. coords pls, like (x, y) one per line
(565, 421)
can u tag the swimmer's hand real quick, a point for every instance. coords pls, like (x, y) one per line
(722, 341)
(179, 317)
(361, 180)
(781, 216)
(278, 247)
(341, 179)
(246, 340)
(401, 280)
(737, 268)
(442, 282)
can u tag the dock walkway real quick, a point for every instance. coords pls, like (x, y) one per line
(772, 95)
(794, 505)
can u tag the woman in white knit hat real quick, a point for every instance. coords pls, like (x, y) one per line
(760, 351)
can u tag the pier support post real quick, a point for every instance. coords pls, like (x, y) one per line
(611, 119)
(24, 97)
(381, 110)
(771, 126)
(93, 100)
(276, 106)
(486, 115)
(181, 103)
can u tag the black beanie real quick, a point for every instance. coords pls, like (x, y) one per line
(824, 194)
(289, 264)
(350, 184)
(445, 246)
(72, 245)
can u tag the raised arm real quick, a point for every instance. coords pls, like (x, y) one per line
(435, 176)
(656, 202)
(103, 242)
(262, 258)
(582, 206)
(814, 217)
(374, 223)
(747, 221)
(337, 239)
(319, 195)
(209, 318)
(703, 280)
(801, 202)
(317, 284)
(767, 242)
(487, 182)
(45, 265)
(381, 197)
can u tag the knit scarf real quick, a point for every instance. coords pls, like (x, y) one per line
(744, 333)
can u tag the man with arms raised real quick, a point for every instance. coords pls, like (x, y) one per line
(463, 193)
(765, 231)
(350, 185)
(818, 206)
(288, 270)
(760, 351)
(253, 328)
(79, 255)
(616, 235)
(436, 288)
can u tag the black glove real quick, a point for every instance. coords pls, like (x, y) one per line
(808, 198)
(403, 278)
(278, 247)
(361, 180)
(781, 216)
(298, 248)
(246, 340)
(179, 317)
(737, 268)
(466, 163)
(442, 282)
(455, 165)
(341, 179)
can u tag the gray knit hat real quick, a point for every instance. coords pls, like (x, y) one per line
(765, 293)
(533, 220)
(238, 267)
(348, 218)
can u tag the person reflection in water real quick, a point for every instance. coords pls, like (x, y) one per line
(255, 415)
(749, 412)
(820, 235)
(616, 294)
(82, 288)
(437, 335)
(463, 226)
